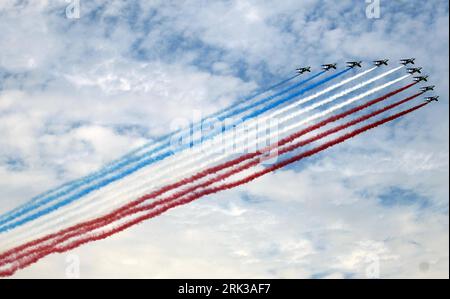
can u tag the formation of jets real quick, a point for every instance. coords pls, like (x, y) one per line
(379, 63)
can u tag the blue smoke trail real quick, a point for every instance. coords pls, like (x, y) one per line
(126, 172)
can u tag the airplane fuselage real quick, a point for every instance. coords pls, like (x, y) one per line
(328, 67)
(407, 61)
(381, 62)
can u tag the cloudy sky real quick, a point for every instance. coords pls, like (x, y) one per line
(77, 92)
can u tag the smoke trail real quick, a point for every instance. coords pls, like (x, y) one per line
(183, 162)
(105, 182)
(235, 112)
(322, 92)
(324, 113)
(34, 258)
(356, 87)
(301, 92)
(128, 209)
(160, 139)
(313, 127)
(323, 81)
(238, 103)
(339, 84)
(371, 80)
(254, 162)
(342, 105)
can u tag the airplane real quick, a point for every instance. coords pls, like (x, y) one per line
(330, 66)
(353, 64)
(421, 78)
(407, 61)
(431, 99)
(302, 70)
(414, 70)
(381, 62)
(427, 88)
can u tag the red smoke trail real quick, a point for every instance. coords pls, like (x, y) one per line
(35, 257)
(93, 224)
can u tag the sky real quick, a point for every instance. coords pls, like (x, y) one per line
(78, 90)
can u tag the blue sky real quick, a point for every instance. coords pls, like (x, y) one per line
(77, 93)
